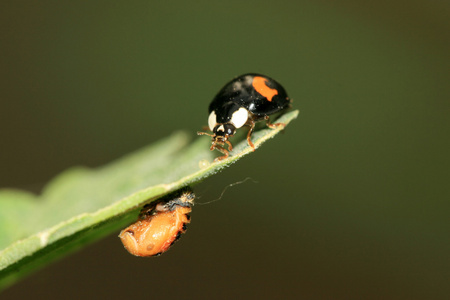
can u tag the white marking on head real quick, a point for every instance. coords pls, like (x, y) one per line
(239, 117)
(212, 120)
(221, 128)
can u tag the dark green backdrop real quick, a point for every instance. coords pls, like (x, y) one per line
(351, 202)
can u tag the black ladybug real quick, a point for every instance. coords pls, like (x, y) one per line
(245, 100)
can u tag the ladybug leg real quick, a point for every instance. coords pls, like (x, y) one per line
(230, 147)
(249, 134)
(273, 126)
(221, 149)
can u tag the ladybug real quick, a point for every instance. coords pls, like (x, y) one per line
(159, 225)
(244, 100)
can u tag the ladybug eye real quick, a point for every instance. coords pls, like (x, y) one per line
(230, 129)
(239, 117)
(212, 120)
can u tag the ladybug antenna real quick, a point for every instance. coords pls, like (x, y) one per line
(205, 133)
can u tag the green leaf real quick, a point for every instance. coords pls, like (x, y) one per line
(81, 204)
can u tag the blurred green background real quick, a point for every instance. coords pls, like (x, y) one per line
(352, 202)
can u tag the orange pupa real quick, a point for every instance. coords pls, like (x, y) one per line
(159, 225)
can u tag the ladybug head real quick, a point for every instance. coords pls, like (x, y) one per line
(223, 125)
(220, 135)
(222, 132)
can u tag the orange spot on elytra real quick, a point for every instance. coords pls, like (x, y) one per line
(259, 84)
